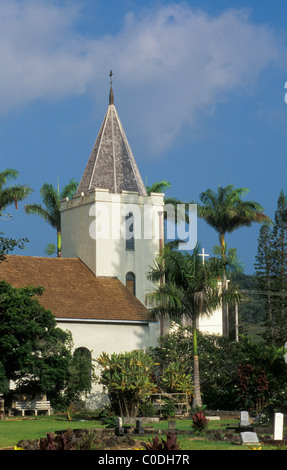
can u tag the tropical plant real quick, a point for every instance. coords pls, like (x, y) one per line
(127, 379)
(160, 444)
(51, 197)
(160, 187)
(11, 194)
(199, 420)
(225, 211)
(174, 379)
(191, 288)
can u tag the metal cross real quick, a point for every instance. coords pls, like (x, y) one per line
(111, 77)
(203, 254)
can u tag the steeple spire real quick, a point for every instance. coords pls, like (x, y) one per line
(111, 96)
(111, 164)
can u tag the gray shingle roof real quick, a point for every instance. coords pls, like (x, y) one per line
(111, 164)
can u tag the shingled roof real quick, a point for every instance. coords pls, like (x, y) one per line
(72, 291)
(111, 164)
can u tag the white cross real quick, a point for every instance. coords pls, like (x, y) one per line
(203, 254)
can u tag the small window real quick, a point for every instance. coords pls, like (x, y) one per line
(130, 240)
(131, 282)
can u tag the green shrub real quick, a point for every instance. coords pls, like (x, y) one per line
(199, 419)
(127, 378)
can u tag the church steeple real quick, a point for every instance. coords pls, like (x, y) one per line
(111, 164)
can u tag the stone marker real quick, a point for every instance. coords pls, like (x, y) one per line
(278, 426)
(171, 425)
(119, 430)
(249, 438)
(139, 427)
(244, 418)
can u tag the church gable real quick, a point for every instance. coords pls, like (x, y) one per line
(72, 291)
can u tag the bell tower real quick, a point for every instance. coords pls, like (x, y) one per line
(112, 224)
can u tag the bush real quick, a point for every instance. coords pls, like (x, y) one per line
(199, 419)
(147, 409)
(169, 444)
(127, 377)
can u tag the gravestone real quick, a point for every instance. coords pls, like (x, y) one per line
(244, 418)
(278, 426)
(171, 425)
(139, 427)
(249, 438)
(119, 430)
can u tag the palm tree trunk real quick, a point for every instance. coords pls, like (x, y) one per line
(196, 381)
(225, 312)
(59, 244)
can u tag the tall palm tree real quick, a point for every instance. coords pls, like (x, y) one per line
(51, 197)
(11, 194)
(226, 211)
(191, 288)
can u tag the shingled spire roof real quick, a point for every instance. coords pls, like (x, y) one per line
(111, 164)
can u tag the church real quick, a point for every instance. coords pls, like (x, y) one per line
(112, 230)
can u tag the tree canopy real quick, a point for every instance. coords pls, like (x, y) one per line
(11, 194)
(34, 352)
(51, 213)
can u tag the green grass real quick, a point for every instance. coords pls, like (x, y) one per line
(12, 431)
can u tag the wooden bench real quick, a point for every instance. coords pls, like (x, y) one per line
(34, 406)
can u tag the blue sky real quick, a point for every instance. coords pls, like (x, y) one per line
(199, 88)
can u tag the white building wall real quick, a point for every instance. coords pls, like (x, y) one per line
(91, 230)
(109, 337)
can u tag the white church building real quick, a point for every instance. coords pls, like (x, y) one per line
(111, 233)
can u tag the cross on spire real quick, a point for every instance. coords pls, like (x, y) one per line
(203, 254)
(111, 77)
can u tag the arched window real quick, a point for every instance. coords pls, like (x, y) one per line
(130, 239)
(83, 366)
(131, 282)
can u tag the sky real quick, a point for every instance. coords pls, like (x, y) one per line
(199, 87)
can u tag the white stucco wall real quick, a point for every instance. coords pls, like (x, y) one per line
(101, 248)
(109, 337)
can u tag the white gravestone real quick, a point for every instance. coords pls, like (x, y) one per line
(244, 418)
(249, 438)
(278, 426)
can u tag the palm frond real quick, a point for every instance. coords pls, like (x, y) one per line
(158, 187)
(13, 194)
(37, 209)
(7, 174)
(69, 189)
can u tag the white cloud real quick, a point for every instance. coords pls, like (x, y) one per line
(172, 64)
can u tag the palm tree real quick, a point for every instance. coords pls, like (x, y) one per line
(158, 187)
(51, 197)
(225, 211)
(191, 288)
(11, 194)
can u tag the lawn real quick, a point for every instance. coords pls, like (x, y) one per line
(12, 431)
